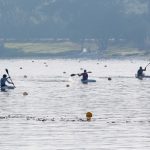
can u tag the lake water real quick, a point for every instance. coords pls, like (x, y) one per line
(52, 115)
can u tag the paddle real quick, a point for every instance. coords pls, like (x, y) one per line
(78, 74)
(10, 77)
(147, 65)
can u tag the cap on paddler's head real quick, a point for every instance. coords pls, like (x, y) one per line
(4, 75)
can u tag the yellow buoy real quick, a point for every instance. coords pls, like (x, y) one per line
(89, 116)
(25, 93)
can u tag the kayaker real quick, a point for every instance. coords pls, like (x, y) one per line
(4, 79)
(84, 75)
(140, 72)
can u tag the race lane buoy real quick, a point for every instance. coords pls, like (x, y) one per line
(109, 78)
(89, 116)
(25, 76)
(67, 85)
(25, 93)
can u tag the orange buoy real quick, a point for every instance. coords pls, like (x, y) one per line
(89, 116)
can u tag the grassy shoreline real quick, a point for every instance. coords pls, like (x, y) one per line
(71, 49)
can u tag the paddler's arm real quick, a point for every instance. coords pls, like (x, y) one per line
(80, 74)
(9, 81)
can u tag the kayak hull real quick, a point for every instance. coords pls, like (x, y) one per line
(5, 88)
(141, 77)
(87, 81)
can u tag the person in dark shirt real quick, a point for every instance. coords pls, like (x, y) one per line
(84, 75)
(140, 72)
(4, 79)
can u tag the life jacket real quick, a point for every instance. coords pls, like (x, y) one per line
(140, 72)
(3, 80)
(84, 76)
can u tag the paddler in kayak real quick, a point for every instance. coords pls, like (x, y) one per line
(84, 76)
(140, 72)
(4, 79)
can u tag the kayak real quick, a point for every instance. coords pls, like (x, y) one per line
(87, 81)
(5, 88)
(141, 77)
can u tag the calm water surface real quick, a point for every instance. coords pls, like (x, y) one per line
(52, 116)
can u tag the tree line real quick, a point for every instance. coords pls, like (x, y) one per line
(119, 21)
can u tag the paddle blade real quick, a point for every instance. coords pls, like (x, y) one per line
(72, 75)
(7, 71)
(10, 78)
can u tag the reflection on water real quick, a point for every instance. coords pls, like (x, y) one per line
(52, 115)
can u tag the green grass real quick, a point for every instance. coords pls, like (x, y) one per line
(59, 47)
(44, 47)
(124, 52)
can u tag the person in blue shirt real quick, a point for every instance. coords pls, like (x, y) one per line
(140, 72)
(84, 75)
(4, 86)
